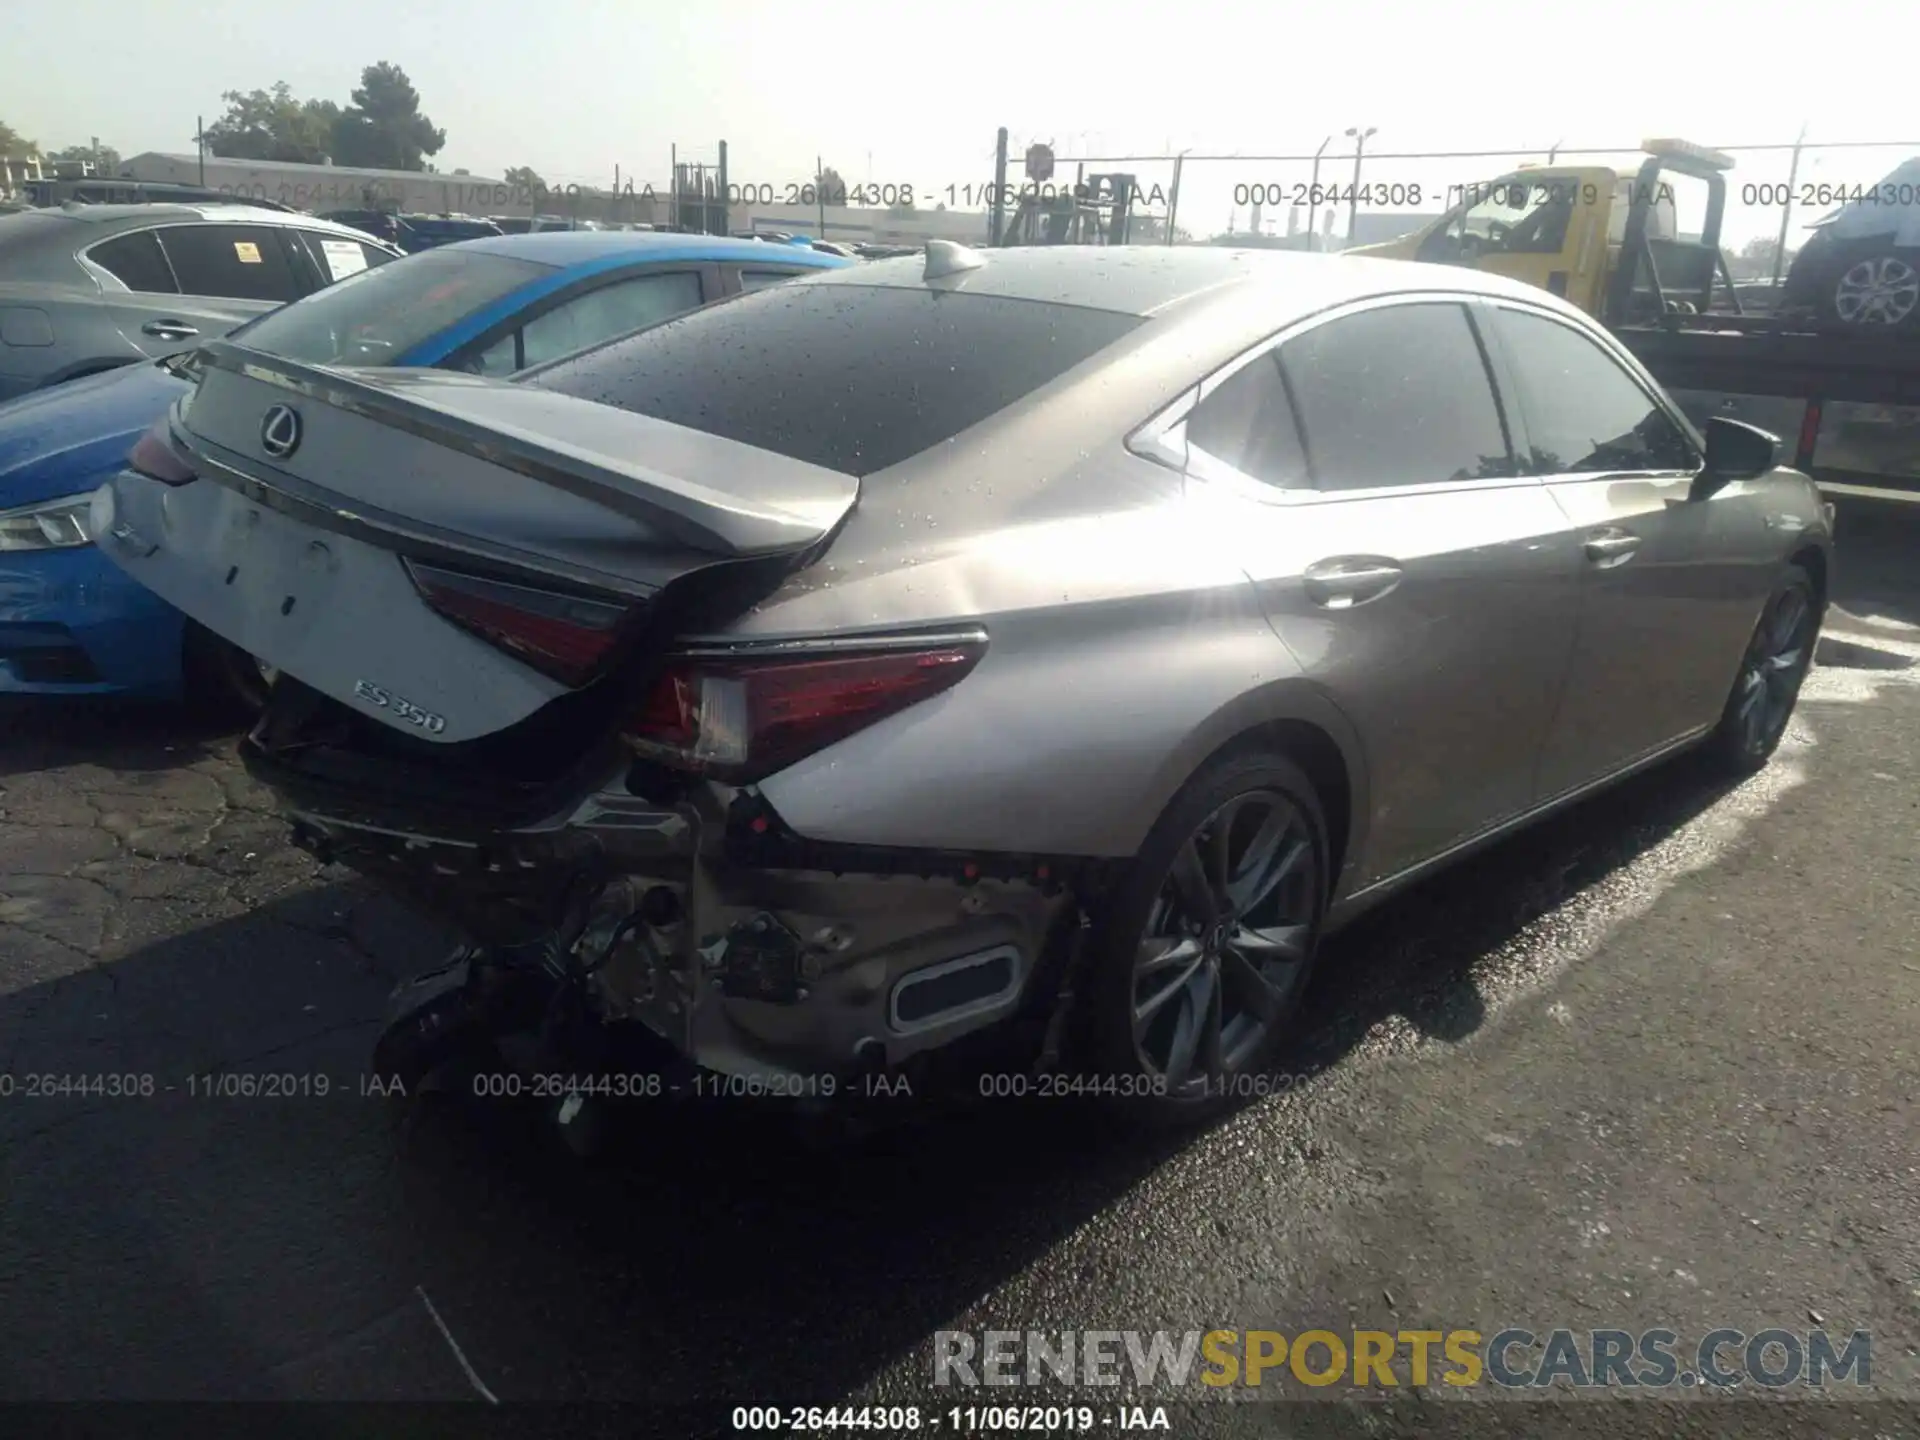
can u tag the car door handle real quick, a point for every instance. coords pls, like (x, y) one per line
(1611, 547)
(168, 330)
(1341, 584)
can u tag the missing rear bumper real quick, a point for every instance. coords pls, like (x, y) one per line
(743, 969)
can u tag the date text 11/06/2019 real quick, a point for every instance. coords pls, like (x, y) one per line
(956, 1419)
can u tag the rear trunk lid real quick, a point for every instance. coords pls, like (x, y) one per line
(323, 493)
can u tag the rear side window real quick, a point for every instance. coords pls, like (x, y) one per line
(1396, 396)
(238, 262)
(1248, 423)
(761, 279)
(136, 262)
(853, 378)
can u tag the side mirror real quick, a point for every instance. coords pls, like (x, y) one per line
(1735, 451)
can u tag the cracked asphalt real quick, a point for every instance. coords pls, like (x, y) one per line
(1653, 1064)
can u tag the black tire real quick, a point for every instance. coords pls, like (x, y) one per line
(1134, 1065)
(1873, 285)
(223, 683)
(1772, 669)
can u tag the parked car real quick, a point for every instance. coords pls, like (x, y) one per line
(70, 622)
(90, 287)
(424, 232)
(1861, 266)
(414, 233)
(123, 190)
(793, 717)
(382, 223)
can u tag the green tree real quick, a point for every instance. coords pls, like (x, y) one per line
(525, 177)
(14, 145)
(383, 127)
(830, 186)
(273, 125)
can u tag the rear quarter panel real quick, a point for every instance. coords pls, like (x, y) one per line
(1125, 648)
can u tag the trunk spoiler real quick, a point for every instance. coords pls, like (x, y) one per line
(745, 503)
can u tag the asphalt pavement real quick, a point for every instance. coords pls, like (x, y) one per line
(1653, 1064)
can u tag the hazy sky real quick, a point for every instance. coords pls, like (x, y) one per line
(911, 93)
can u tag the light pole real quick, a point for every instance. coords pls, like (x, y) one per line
(1359, 138)
(1313, 195)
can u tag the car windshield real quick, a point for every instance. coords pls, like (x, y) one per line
(848, 377)
(377, 316)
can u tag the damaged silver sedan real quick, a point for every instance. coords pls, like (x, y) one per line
(970, 661)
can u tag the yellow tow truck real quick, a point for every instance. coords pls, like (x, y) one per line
(1602, 238)
(1607, 241)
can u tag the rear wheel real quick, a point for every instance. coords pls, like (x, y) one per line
(1876, 288)
(1767, 686)
(1204, 951)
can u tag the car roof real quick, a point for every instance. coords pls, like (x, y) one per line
(1147, 280)
(586, 247)
(156, 211)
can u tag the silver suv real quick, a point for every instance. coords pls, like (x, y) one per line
(85, 288)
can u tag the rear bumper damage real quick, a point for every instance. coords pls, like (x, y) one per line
(701, 921)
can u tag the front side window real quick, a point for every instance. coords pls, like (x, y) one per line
(337, 256)
(1584, 413)
(236, 262)
(1398, 395)
(1527, 213)
(377, 316)
(616, 309)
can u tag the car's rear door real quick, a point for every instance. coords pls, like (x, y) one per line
(1365, 476)
(1670, 588)
(161, 315)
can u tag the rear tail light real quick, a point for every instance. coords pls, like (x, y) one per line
(739, 719)
(154, 456)
(564, 636)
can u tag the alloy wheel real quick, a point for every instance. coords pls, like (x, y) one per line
(1226, 942)
(1772, 670)
(1882, 291)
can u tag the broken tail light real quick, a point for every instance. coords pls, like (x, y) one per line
(154, 456)
(738, 719)
(560, 635)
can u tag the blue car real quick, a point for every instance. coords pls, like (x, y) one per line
(73, 624)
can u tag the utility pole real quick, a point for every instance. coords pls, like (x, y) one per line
(1786, 216)
(200, 140)
(1313, 191)
(820, 195)
(1353, 200)
(1173, 198)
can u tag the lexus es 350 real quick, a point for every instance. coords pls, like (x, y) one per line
(1025, 652)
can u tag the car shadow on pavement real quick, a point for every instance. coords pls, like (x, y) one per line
(46, 732)
(1874, 545)
(199, 1243)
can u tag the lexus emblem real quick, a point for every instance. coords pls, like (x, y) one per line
(280, 431)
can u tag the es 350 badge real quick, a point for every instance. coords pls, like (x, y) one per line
(408, 711)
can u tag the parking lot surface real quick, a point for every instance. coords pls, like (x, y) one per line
(1653, 1064)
